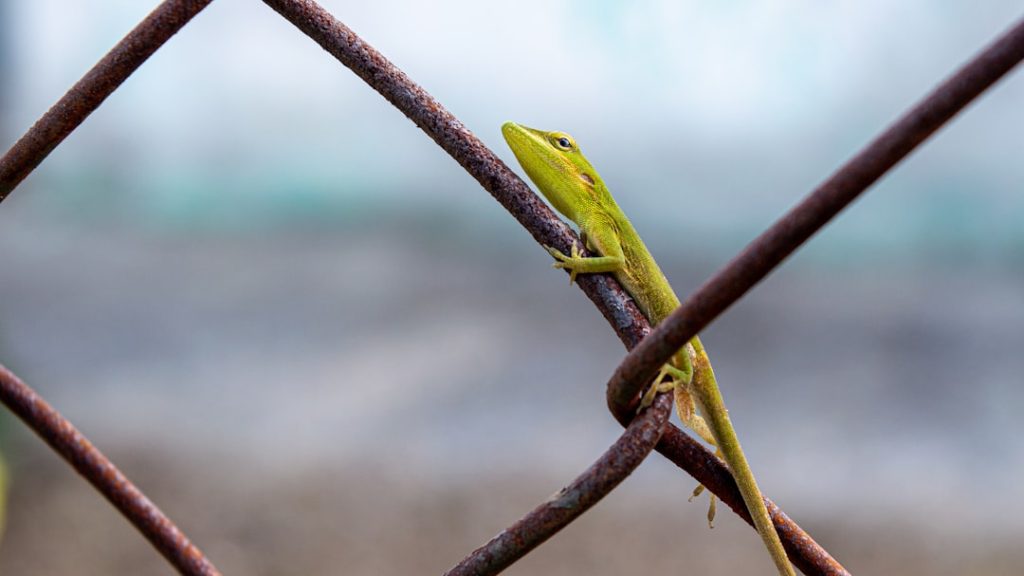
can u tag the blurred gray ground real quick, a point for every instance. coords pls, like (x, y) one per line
(309, 399)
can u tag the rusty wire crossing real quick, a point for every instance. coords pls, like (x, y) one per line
(650, 348)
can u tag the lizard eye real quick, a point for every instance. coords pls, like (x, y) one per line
(564, 143)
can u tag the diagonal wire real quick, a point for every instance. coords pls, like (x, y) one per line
(509, 190)
(89, 92)
(556, 513)
(88, 461)
(776, 243)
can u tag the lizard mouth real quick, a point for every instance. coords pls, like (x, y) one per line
(519, 137)
(529, 145)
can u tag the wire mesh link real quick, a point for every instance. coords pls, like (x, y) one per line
(88, 461)
(89, 92)
(642, 433)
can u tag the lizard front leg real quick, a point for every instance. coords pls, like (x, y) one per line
(577, 263)
(599, 235)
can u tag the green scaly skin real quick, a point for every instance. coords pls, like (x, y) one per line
(565, 177)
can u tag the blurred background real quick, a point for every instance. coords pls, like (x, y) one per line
(322, 348)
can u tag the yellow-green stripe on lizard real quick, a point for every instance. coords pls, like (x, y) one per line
(565, 177)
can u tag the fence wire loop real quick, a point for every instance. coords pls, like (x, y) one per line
(647, 431)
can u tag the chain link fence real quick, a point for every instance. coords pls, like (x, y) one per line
(649, 347)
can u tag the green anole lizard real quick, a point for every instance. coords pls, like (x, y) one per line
(565, 177)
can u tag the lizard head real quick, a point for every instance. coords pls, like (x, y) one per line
(556, 166)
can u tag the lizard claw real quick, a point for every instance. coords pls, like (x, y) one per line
(565, 262)
(712, 505)
(555, 253)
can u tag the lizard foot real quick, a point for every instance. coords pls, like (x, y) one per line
(667, 379)
(712, 506)
(566, 262)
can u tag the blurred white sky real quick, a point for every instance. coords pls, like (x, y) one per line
(727, 112)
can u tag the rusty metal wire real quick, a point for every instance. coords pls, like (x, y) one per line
(706, 468)
(87, 95)
(774, 245)
(67, 441)
(619, 461)
(803, 551)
